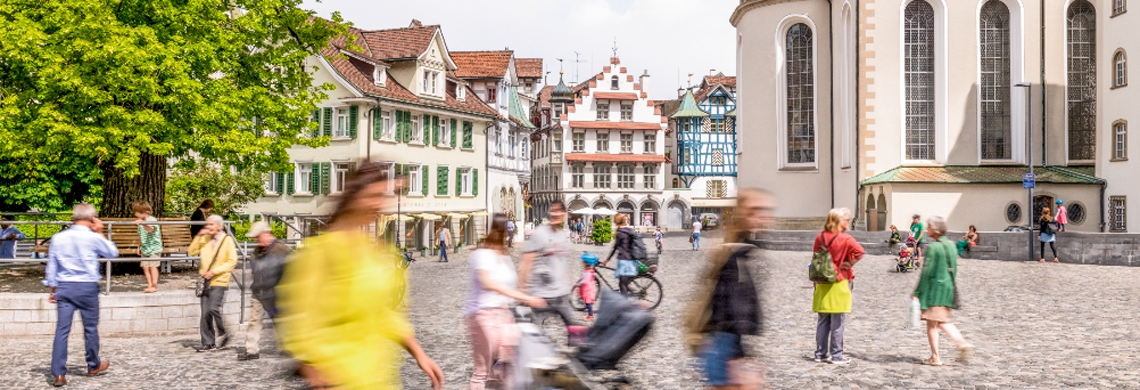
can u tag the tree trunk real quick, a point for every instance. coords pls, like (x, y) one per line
(119, 191)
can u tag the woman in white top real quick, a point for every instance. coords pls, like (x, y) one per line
(489, 322)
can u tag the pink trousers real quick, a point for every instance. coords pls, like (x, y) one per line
(493, 339)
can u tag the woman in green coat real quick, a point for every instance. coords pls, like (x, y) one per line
(936, 290)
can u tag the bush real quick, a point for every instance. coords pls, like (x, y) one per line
(603, 231)
(242, 227)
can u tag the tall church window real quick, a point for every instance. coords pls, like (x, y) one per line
(918, 30)
(995, 84)
(1121, 66)
(1081, 89)
(801, 95)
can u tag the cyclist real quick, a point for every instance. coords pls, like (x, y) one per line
(657, 237)
(623, 248)
(542, 270)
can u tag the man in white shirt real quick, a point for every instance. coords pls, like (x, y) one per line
(696, 239)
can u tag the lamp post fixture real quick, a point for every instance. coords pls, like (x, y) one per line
(1030, 180)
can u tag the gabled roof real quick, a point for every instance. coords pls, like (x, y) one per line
(398, 44)
(517, 113)
(962, 174)
(688, 108)
(544, 96)
(712, 83)
(528, 67)
(482, 64)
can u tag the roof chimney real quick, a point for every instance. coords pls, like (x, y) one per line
(644, 81)
(416, 23)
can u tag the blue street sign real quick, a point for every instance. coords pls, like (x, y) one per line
(1028, 181)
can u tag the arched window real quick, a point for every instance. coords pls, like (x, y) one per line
(1121, 69)
(801, 95)
(918, 70)
(1081, 90)
(614, 82)
(994, 47)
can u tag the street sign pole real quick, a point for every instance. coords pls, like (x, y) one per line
(1030, 179)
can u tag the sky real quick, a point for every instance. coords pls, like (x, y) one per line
(669, 38)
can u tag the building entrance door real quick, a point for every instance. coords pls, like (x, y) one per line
(676, 216)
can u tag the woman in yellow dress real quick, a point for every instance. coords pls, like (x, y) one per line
(339, 298)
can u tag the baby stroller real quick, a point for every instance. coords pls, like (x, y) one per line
(620, 325)
(906, 256)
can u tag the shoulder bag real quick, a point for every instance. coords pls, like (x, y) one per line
(199, 284)
(822, 269)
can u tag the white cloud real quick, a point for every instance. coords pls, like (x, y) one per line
(666, 37)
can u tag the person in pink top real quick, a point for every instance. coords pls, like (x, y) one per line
(1062, 214)
(588, 287)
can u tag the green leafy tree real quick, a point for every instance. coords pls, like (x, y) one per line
(603, 230)
(190, 185)
(116, 89)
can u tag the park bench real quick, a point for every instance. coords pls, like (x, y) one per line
(175, 238)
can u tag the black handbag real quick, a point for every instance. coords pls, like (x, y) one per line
(200, 285)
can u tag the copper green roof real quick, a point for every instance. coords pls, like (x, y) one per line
(516, 110)
(962, 174)
(688, 108)
(561, 93)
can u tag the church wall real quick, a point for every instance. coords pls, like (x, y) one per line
(982, 205)
(1118, 105)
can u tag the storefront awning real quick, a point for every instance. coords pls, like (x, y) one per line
(429, 216)
(479, 214)
(713, 203)
(457, 215)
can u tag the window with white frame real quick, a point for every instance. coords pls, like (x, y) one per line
(603, 110)
(557, 142)
(1121, 69)
(431, 82)
(340, 176)
(716, 189)
(994, 45)
(1081, 89)
(304, 178)
(511, 140)
(919, 76)
(577, 178)
(603, 142)
(614, 82)
(390, 172)
(445, 131)
(578, 142)
(626, 143)
(415, 181)
(650, 171)
(1120, 141)
(387, 126)
(800, 95)
(341, 123)
(1117, 214)
(1119, 6)
(650, 142)
(417, 131)
(465, 180)
(601, 175)
(625, 176)
(272, 187)
(626, 111)
(497, 134)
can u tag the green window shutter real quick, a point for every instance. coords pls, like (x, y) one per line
(458, 181)
(280, 182)
(440, 180)
(377, 123)
(317, 119)
(289, 185)
(327, 122)
(454, 132)
(424, 179)
(467, 135)
(402, 127)
(475, 181)
(435, 130)
(353, 121)
(326, 176)
(314, 178)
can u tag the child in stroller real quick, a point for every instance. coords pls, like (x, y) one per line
(905, 259)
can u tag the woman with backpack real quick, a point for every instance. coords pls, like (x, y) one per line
(937, 292)
(623, 248)
(832, 300)
(1048, 229)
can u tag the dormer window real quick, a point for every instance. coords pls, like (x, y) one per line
(614, 82)
(461, 92)
(431, 82)
(379, 75)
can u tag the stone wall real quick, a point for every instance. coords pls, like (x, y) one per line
(163, 312)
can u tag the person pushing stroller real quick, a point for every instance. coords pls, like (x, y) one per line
(906, 256)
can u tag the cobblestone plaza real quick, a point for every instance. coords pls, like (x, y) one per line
(1043, 326)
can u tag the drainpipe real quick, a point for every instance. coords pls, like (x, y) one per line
(855, 137)
(1103, 187)
(1043, 86)
(831, 103)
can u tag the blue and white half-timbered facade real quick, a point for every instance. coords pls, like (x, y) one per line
(704, 160)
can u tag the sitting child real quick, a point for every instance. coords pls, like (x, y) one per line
(587, 287)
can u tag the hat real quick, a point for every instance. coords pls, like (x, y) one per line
(258, 228)
(1060, 201)
(589, 258)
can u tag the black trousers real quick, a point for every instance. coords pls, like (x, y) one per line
(212, 300)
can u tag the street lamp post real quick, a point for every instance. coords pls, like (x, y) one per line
(1031, 180)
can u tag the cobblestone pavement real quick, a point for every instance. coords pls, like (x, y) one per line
(1041, 326)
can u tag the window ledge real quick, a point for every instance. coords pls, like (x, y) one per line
(467, 149)
(303, 195)
(387, 140)
(1118, 159)
(346, 138)
(1115, 14)
(271, 194)
(797, 169)
(416, 143)
(1119, 86)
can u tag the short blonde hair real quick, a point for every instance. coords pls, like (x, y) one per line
(142, 207)
(835, 219)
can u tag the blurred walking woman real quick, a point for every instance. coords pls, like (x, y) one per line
(338, 298)
(490, 324)
(833, 300)
(937, 292)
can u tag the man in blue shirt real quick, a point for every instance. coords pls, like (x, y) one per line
(72, 276)
(8, 237)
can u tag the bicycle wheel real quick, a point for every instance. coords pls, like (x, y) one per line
(551, 326)
(576, 301)
(646, 288)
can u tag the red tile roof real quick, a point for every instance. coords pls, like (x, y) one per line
(544, 95)
(615, 95)
(528, 67)
(710, 84)
(605, 157)
(399, 43)
(615, 125)
(482, 64)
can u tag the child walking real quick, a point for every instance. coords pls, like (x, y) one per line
(150, 244)
(657, 236)
(587, 287)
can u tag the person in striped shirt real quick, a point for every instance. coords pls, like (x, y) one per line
(150, 244)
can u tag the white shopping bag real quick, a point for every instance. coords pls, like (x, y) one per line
(915, 313)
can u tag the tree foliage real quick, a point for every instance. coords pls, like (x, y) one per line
(89, 88)
(188, 186)
(603, 230)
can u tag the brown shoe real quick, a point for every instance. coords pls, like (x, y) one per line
(59, 381)
(102, 367)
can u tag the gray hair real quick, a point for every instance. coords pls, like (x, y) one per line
(83, 212)
(214, 218)
(936, 225)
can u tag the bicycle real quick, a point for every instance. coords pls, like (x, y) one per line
(644, 288)
(402, 262)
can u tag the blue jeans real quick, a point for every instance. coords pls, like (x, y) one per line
(696, 241)
(442, 251)
(82, 296)
(722, 348)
